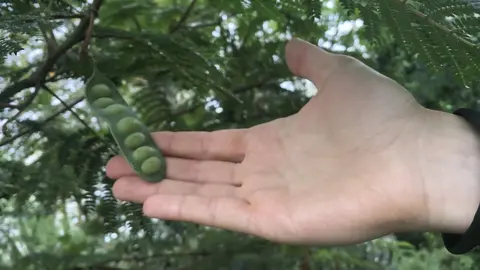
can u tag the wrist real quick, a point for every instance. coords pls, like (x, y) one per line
(449, 159)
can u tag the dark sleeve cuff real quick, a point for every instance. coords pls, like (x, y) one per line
(463, 243)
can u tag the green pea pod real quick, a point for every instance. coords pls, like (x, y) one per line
(130, 134)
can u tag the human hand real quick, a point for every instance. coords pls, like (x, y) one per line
(346, 168)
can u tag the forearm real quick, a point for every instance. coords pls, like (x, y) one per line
(450, 162)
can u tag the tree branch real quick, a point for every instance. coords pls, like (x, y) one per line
(88, 34)
(38, 77)
(65, 16)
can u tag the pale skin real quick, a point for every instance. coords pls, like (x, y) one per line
(361, 160)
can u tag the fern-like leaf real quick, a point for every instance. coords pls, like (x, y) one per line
(314, 8)
(443, 33)
(7, 47)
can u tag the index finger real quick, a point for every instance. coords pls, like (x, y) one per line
(223, 145)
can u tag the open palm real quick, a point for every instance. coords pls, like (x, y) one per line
(334, 173)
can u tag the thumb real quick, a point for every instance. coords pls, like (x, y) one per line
(310, 62)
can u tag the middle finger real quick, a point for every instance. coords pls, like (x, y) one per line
(134, 189)
(199, 171)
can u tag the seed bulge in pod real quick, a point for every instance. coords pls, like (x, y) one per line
(152, 165)
(103, 102)
(144, 152)
(114, 109)
(135, 140)
(100, 90)
(129, 125)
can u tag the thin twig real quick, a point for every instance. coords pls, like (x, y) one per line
(67, 106)
(21, 109)
(237, 90)
(48, 119)
(70, 109)
(184, 17)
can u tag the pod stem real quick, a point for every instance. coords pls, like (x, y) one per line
(87, 66)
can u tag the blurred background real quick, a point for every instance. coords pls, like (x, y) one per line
(195, 65)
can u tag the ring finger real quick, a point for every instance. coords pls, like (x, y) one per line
(132, 188)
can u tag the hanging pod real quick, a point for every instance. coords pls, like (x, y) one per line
(130, 134)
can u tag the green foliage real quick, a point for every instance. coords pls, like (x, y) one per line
(192, 65)
(20, 21)
(443, 33)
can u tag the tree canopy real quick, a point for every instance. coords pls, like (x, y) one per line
(195, 65)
